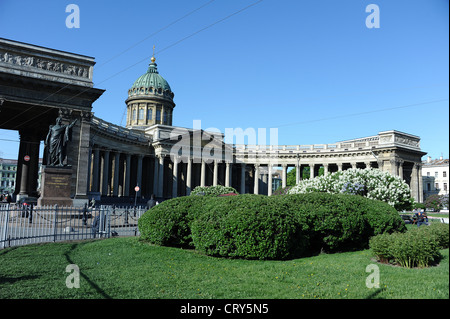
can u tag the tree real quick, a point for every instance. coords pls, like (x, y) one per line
(434, 202)
(305, 173)
(291, 177)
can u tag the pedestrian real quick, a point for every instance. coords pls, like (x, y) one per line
(85, 211)
(152, 202)
(422, 218)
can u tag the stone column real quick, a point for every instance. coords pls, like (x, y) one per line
(216, 172)
(227, 174)
(203, 174)
(155, 175)
(339, 165)
(420, 181)
(161, 177)
(242, 178)
(400, 169)
(189, 177)
(380, 164)
(89, 177)
(297, 174)
(325, 169)
(175, 177)
(105, 177)
(96, 171)
(269, 182)
(127, 175)
(394, 169)
(116, 174)
(284, 175)
(311, 171)
(414, 182)
(256, 183)
(27, 170)
(84, 156)
(140, 158)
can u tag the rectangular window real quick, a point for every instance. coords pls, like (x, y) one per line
(436, 186)
(444, 173)
(158, 116)
(149, 114)
(428, 174)
(445, 187)
(436, 174)
(134, 114)
(141, 114)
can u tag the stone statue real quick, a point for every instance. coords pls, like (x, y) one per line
(56, 142)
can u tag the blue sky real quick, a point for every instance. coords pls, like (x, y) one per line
(312, 69)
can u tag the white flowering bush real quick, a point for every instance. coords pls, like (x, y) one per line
(371, 183)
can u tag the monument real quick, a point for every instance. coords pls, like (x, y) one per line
(56, 175)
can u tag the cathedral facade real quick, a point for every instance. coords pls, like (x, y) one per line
(150, 152)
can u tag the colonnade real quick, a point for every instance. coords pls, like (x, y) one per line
(116, 173)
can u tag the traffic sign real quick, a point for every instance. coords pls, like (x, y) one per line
(136, 189)
(26, 158)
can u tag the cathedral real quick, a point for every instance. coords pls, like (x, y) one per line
(110, 160)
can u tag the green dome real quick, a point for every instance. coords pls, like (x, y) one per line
(151, 84)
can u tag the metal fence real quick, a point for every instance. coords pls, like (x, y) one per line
(29, 225)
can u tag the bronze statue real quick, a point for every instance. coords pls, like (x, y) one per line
(56, 142)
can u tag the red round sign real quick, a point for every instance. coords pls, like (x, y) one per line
(26, 158)
(136, 189)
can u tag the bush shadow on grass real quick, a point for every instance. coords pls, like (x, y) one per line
(374, 294)
(91, 283)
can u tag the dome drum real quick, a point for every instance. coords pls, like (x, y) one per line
(150, 100)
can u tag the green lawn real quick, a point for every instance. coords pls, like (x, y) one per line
(127, 268)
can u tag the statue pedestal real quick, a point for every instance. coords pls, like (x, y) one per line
(55, 186)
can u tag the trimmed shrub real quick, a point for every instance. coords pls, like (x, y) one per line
(168, 224)
(339, 222)
(261, 227)
(320, 222)
(250, 227)
(213, 190)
